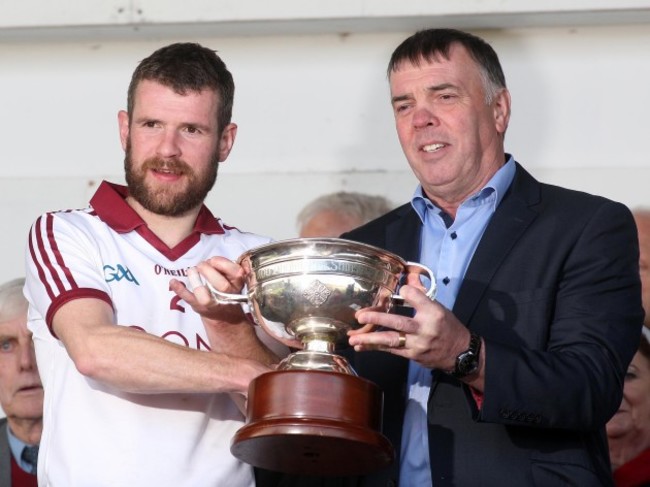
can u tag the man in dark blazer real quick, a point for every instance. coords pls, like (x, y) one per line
(509, 376)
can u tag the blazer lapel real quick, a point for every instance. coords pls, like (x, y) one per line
(403, 235)
(510, 220)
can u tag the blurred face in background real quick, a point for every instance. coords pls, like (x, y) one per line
(631, 423)
(328, 224)
(21, 392)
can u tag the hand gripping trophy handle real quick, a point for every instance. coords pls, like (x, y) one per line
(431, 292)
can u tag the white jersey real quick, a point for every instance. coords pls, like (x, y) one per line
(95, 435)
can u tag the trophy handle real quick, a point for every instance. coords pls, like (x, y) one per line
(422, 269)
(227, 298)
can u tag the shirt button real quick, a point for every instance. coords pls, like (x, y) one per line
(446, 281)
(453, 235)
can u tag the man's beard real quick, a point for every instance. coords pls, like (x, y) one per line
(166, 200)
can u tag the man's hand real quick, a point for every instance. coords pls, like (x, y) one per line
(223, 275)
(228, 329)
(433, 337)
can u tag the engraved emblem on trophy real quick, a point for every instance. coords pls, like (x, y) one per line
(313, 415)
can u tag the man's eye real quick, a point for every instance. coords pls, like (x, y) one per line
(6, 345)
(192, 130)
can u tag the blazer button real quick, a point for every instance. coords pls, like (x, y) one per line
(391, 483)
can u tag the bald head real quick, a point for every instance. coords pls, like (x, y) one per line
(332, 214)
(12, 300)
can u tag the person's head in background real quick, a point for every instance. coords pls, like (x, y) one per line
(642, 218)
(332, 214)
(628, 431)
(21, 392)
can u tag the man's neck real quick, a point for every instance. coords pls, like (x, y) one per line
(171, 230)
(26, 430)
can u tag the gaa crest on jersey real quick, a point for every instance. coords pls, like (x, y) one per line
(119, 273)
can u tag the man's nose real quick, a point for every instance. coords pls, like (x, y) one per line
(424, 117)
(169, 145)
(27, 356)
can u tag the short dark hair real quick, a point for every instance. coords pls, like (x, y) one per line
(187, 66)
(428, 45)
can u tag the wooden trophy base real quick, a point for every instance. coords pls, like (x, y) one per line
(312, 422)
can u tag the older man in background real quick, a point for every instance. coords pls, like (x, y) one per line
(332, 214)
(21, 393)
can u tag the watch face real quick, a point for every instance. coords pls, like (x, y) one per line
(466, 364)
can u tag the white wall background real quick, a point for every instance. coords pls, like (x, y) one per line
(312, 98)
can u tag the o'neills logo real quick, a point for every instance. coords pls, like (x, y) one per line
(158, 269)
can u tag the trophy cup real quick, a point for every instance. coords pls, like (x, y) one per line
(313, 414)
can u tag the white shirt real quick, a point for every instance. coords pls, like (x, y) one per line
(95, 435)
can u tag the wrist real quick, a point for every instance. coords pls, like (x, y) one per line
(468, 361)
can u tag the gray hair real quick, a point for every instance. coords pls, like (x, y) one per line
(363, 207)
(12, 299)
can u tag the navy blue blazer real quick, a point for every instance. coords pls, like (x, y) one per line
(554, 289)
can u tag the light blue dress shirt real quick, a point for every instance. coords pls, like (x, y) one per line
(447, 251)
(16, 446)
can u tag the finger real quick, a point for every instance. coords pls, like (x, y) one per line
(194, 278)
(181, 290)
(367, 328)
(369, 318)
(231, 271)
(375, 318)
(380, 340)
(200, 292)
(416, 297)
(216, 279)
(414, 280)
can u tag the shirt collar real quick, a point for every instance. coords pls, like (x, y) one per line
(497, 185)
(109, 203)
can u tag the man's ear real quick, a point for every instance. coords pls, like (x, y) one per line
(227, 140)
(123, 123)
(501, 107)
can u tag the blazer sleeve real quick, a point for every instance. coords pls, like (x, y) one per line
(561, 320)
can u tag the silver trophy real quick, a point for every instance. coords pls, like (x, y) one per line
(313, 415)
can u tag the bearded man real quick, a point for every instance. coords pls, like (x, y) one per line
(144, 377)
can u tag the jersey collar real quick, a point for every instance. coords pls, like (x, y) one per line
(110, 205)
